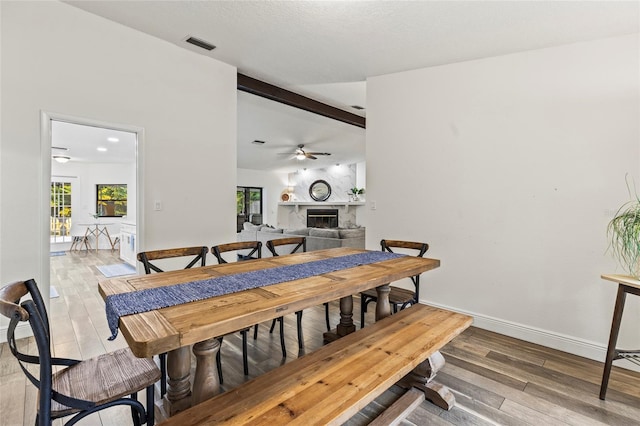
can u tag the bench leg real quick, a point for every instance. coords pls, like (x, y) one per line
(421, 378)
(206, 382)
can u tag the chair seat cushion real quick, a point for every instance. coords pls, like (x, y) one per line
(397, 295)
(104, 378)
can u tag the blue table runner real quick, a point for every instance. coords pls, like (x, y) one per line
(139, 301)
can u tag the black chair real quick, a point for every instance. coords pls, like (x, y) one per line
(199, 254)
(297, 243)
(398, 297)
(254, 252)
(83, 387)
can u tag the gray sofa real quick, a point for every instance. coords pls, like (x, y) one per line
(317, 238)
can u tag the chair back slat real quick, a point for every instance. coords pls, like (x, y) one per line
(388, 245)
(421, 248)
(299, 242)
(254, 246)
(145, 257)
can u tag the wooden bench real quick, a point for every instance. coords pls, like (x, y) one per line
(332, 384)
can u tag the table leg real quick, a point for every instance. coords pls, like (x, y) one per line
(383, 307)
(346, 325)
(179, 387)
(106, 232)
(613, 339)
(97, 234)
(205, 382)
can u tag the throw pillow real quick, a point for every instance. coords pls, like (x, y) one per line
(272, 230)
(303, 231)
(248, 226)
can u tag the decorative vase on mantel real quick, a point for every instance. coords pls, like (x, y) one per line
(354, 194)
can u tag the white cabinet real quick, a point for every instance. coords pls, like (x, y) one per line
(128, 244)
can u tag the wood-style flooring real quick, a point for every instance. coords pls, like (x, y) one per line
(496, 379)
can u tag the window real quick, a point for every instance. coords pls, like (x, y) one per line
(111, 200)
(248, 206)
(60, 219)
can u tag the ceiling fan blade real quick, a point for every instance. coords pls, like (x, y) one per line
(319, 153)
(309, 155)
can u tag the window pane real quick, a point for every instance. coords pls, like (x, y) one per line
(255, 201)
(111, 200)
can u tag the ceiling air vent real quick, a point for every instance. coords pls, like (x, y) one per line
(200, 43)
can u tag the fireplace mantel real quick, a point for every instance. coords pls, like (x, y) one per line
(346, 204)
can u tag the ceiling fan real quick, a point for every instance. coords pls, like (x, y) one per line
(301, 154)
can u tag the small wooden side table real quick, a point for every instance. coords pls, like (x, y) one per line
(626, 284)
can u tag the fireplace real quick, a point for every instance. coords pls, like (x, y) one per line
(322, 218)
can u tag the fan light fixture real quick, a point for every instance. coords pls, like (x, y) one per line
(61, 158)
(300, 156)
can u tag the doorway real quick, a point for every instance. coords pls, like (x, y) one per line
(85, 165)
(87, 162)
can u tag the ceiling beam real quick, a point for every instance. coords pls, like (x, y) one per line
(278, 94)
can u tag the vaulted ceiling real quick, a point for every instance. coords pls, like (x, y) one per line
(327, 50)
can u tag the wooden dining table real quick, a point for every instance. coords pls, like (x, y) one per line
(174, 329)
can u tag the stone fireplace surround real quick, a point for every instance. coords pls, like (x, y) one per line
(293, 214)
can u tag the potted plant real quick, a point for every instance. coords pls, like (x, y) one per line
(624, 235)
(355, 193)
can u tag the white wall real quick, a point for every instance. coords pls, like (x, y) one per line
(510, 168)
(60, 59)
(272, 184)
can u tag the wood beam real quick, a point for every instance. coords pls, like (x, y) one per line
(278, 94)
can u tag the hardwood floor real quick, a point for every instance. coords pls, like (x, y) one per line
(496, 379)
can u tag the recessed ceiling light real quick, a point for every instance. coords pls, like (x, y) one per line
(357, 107)
(112, 139)
(101, 149)
(61, 158)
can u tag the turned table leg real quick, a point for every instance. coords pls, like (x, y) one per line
(383, 307)
(178, 385)
(346, 325)
(205, 382)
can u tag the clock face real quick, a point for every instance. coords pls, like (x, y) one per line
(284, 197)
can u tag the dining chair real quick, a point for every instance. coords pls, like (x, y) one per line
(82, 387)
(244, 250)
(398, 297)
(199, 254)
(296, 243)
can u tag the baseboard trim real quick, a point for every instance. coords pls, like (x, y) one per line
(542, 337)
(22, 330)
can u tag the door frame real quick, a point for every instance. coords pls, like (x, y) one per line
(46, 117)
